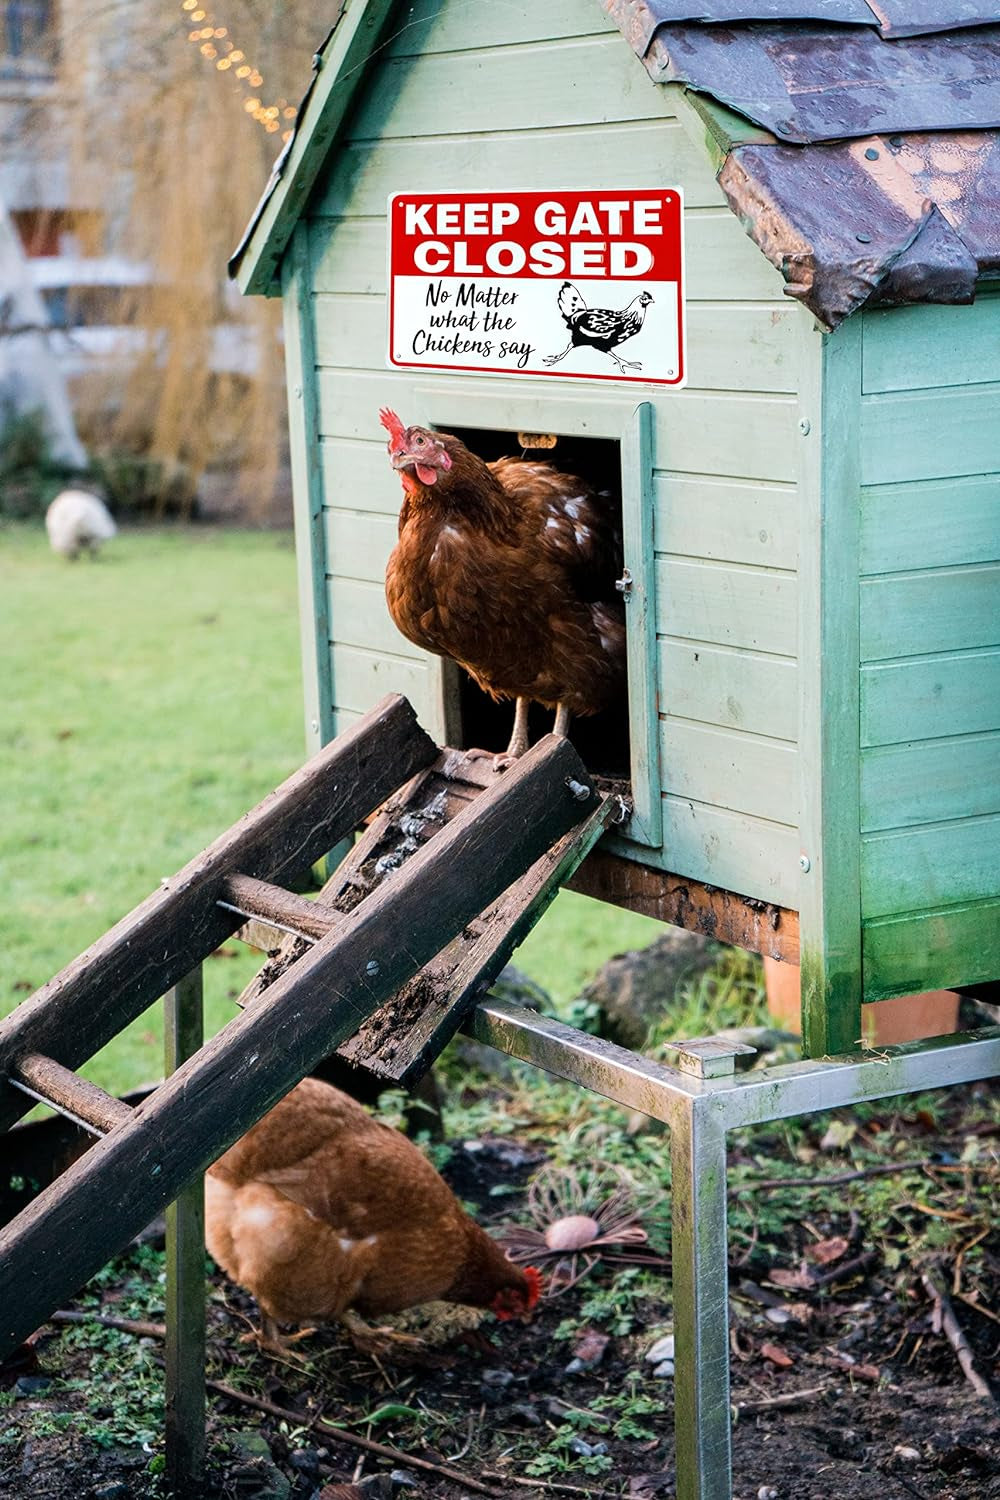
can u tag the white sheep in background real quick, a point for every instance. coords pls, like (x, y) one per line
(77, 521)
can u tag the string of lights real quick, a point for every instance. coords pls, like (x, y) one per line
(216, 46)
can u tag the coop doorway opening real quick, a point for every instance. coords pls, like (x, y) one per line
(473, 718)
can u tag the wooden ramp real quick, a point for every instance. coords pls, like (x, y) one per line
(419, 919)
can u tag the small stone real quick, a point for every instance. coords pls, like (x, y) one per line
(777, 1315)
(575, 1367)
(582, 1448)
(906, 1455)
(116, 1490)
(306, 1460)
(661, 1350)
(499, 1378)
(402, 1479)
(767, 1492)
(31, 1385)
(664, 1370)
(529, 1415)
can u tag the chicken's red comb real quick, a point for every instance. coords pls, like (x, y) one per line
(393, 427)
(534, 1278)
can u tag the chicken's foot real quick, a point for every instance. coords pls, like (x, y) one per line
(270, 1341)
(378, 1341)
(553, 359)
(625, 364)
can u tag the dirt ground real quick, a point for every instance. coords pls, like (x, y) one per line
(839, 1390)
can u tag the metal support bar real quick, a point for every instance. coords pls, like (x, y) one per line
(185, 1299)
(700, 1108)
(700, 1265)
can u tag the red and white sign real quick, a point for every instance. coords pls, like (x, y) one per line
(583, 286)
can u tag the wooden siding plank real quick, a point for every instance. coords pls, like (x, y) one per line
(307, 489)
(359, 617)
(600, 157)
(729, 687)
(361, 678)
(949, 521)
(729, 769)
(358, 545)
(722, 264)
(570, 82)
(930, 435)
(727, 606)
(930, 782)
(934, 865)
(914, 348)
(929, 697)
(728, 521)
(949, 609)
(931, 950)
(829, 710)
(444, 27)
(740, 347)
(731, 850)
(743, 436)
(358, 474)
(733, 347)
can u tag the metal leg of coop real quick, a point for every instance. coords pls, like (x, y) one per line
(183, 1031)
(701, 1100)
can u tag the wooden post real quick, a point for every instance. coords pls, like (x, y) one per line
(185, 1302)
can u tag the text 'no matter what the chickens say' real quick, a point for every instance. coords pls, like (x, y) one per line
(584, 286)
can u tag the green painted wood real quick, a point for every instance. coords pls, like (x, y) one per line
(932, 950)
(359, 474)
(930, 696)
(574, 156)
(930, 434)
(912, 348)
(948, 609)
(726, 520)
(934, 865)
(720, 128)
(359, 617)
(360, 28)
(726, 686)
(731, 850)
(349, 253)
(563, 83)
(442, 26)
(732, 347)
(730, 769)
(728, 606)
(742, 436)
(307, 491)
(828, 634)
(947, 522)
(645, 825)
(362, 677)
(358, 545)
(931, 781)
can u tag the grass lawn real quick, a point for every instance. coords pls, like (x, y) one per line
(150, 698)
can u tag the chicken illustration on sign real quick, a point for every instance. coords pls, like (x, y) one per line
(482, 284)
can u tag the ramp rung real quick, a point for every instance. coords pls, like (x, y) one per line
(44, 1079)
(258, 900)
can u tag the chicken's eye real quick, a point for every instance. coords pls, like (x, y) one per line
(418, 442)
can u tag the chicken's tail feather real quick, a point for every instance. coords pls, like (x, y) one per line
(569, 300)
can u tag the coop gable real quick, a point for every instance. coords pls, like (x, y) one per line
(811, 524)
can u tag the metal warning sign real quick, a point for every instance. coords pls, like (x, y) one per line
(585, 286)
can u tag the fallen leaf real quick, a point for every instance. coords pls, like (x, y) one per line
(777, 1356)
(825, 1252)
(798, 1280)
(838, 1134)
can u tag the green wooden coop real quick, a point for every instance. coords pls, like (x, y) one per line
(812, 523)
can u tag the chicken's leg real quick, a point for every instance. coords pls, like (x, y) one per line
(561, 725)
(625, 364)
(553, 359)
(519, 734)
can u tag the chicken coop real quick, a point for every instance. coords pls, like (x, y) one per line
(810, 524)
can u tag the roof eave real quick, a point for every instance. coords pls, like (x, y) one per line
(340, 68)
